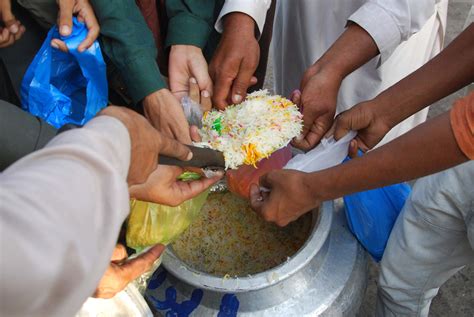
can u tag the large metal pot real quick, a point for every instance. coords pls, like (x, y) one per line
(327, 277)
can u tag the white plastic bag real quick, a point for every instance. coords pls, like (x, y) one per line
(327, 154)
(127, 303)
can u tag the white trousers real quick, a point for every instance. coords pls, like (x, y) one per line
(432, 239)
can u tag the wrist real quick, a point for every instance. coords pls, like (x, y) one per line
(154, 99)
(316, 193)
(331, 71)
(321, 184)
(384, 110)
(184, 48)
(240, 24)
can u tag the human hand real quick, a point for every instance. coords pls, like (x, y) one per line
(11, 30)
(364, 118)
(206, 105)
(121, 272)
(146, 144)
(236, 58)
(166, 114)
(85, 13)
(290, 196)
(319, 89)
(186, 62)
(200, 97)
(163, 186)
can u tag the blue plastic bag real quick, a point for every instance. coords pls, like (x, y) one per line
(372, 214)
(69, 87)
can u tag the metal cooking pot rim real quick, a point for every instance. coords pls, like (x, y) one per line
(260, 280)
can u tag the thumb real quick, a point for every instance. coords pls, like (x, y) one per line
(266, 180)
(295, 97)
(194, 132)
(343, 125)
(8, 18)
(141, 264)
(203, 78)
(241, 84)
(6, 11)
(253, 81)
(256, 198)
(173, 148)
(191, 189)
(66, 8)
(308, 119)
(353, 149)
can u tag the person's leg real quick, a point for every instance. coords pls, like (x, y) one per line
(429, 242)
(20, 133)
(7, 92)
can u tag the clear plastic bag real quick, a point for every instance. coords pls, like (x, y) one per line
(239, 180)
(192, 111)
(141, 282)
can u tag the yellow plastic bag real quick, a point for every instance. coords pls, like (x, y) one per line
(150, 224)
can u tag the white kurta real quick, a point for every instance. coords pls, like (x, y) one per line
(61, 209)
(257, 9)
(407, 32)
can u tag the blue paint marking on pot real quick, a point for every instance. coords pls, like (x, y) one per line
(175, 309)
(170, 304)
(229, 306)
(157, 280)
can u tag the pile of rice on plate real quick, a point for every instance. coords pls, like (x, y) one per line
(251, 130)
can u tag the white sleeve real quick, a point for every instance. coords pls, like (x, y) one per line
(256, 9)
(61, 209)
(390, 22)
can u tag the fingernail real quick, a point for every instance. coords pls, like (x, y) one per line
(65, 30)
(192, 80)
(300, 137)
(54, 44)
(14, 28)
(237, 98)
(296, 91)
(190, 156)
(220, 173)
(205, 93)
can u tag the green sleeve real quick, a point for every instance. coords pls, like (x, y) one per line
(190, 22)
(129, 43)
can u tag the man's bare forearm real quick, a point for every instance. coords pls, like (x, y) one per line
(425, 150)
(451, 70)
(352, 49)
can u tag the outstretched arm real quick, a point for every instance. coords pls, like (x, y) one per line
(451, 70)
(429, 148)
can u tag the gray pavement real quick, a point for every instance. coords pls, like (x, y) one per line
(456, 297)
